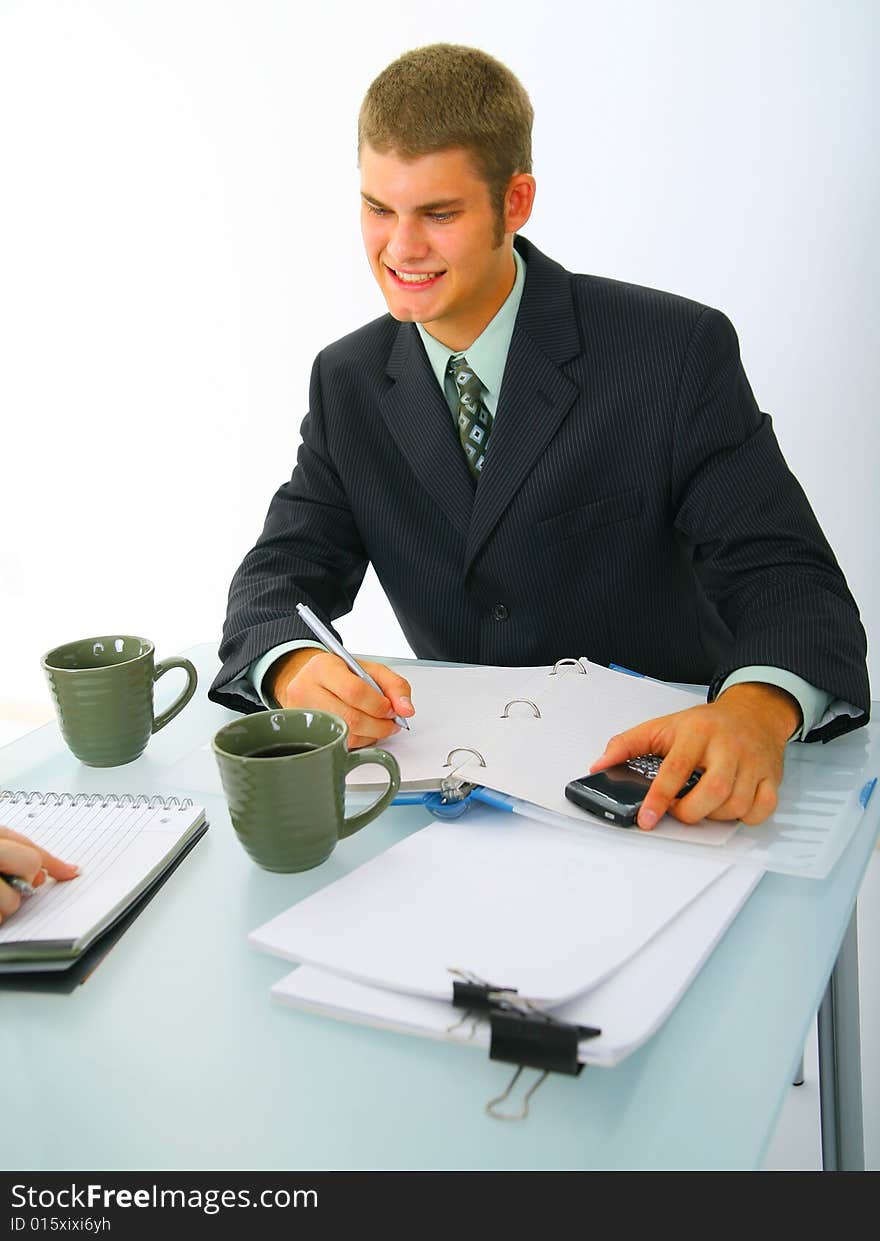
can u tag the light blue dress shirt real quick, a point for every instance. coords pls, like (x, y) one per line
(487, 356)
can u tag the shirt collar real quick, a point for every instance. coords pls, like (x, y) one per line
(488, 354)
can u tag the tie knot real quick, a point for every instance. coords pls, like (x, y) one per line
(463, 374)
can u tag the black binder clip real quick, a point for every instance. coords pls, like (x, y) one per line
(526, 1036)
(520, 1034)
(523, 1035)
(476, 996)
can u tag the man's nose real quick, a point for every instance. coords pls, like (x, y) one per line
(407, 242)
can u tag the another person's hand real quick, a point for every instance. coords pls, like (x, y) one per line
(313, 678)
(22, 858)
(738, 741)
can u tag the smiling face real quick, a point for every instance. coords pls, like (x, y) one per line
(431, 236)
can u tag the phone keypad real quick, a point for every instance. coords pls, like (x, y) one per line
(648, 765)
(645, 765)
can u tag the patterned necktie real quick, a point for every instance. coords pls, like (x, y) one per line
(474, 420)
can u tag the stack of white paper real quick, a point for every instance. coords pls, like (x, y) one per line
(589, 929)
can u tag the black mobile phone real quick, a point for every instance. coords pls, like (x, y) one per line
(617, 793)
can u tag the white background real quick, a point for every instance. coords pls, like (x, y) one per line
(179, 237)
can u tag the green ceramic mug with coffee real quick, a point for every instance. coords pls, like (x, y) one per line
(283, 775)
(103, 693)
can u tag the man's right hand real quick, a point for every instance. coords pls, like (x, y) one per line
(316, 679)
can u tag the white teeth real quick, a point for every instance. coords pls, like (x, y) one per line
(409, 277)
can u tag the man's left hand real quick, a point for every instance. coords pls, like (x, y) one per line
(737, 741)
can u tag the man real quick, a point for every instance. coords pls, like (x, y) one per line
(541, 465)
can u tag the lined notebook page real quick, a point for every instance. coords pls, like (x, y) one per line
(118, 850)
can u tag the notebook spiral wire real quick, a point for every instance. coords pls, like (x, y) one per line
(18, 797)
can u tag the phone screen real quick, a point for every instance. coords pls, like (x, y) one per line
(617, 792)
(614, 794)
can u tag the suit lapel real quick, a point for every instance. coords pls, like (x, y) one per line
(535, 394)
(417, 416)
(534, 399)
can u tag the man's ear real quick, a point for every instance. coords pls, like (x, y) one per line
(518, 201)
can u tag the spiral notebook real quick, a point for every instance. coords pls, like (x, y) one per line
(123, 844)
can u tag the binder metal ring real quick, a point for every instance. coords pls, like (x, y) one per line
(560, 663)
(505, 713)
(454, 788)
(464, 749)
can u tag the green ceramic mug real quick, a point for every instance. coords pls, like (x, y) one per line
(103, 692)
(283, 774)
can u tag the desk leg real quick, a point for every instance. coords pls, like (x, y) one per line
(840, 1071)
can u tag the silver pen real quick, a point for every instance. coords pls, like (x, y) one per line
(22, 887)
(321, 631)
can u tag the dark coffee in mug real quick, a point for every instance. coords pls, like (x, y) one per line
(289, 815)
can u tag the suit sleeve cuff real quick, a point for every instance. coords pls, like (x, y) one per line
(251, 685)
(813, 702)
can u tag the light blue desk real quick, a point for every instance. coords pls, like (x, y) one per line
(171, 1054)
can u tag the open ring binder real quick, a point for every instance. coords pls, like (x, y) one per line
(523, 767)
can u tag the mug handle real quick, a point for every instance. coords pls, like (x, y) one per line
(192, 680)
(357, 758)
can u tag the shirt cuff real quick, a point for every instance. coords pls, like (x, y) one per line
(813, 702)
(251, 684)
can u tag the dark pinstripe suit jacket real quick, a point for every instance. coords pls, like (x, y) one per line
(634, 508)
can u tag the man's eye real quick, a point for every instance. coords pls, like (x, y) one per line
(376, 210)
(442, 216)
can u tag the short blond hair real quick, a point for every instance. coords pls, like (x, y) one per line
(444, 95)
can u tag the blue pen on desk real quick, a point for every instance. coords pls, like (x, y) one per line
(321, 631)
(22, 887)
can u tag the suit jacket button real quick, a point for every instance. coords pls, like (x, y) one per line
(500, 612)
